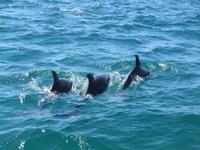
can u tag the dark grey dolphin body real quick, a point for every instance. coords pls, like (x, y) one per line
(97, 84)
(138, 70)
(60, 85)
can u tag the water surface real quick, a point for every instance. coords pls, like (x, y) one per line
(78, 37)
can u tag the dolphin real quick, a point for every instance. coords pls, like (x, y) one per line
(138, 70)
(60, 85)
(97, 83)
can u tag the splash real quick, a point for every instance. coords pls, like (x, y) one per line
(34, 85)
(77, 11)
(163, 66)
(43, 131)
(81, 142)
(84, 88)
(88, 96)
(116, 78)
(21, 145)
(22, 98)
(49, 97)
(78, 83)
(136, 80)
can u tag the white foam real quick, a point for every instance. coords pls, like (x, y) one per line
(49, 97)
(163, 66)
(21, 145)
(78, 83)
(33, 85)
(84, 88)
(22, 98)
(88, 96)
(77, 11)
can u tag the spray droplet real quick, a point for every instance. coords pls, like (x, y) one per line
(22, 98)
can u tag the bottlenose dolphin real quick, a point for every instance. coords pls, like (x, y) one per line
(60, 85)
(138, 70)
(97, 83)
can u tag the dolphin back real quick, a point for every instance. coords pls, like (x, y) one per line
(98, 85)
(60, 85)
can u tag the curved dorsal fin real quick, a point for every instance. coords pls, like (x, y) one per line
(137, 61)
(55, 76)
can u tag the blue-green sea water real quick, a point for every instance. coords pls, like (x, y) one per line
(78, 37)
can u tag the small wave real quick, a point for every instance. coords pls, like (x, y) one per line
(146, 18)
(121, 64)
(93, 36)
(76, 11)
(187, 110)
(135, 26)
(189, 33)
(108, 26)
(6, 1)
(125, 40)
(197, 17)
(173, 51)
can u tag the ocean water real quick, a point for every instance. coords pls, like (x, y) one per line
(79, 37)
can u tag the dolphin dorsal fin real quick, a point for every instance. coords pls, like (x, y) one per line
(90, 77)
(137, 61)
(55, 76)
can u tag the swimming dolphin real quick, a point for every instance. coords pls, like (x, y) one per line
(138, 70)
(60, 85)
(97, 83)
